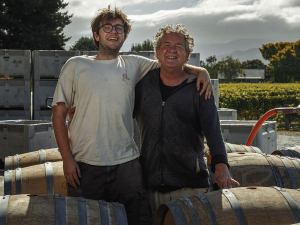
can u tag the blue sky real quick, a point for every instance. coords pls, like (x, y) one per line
(218, 26)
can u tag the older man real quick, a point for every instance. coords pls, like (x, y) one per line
(173, 120)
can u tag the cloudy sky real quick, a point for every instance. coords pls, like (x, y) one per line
(218, 26)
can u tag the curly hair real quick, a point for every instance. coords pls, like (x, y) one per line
(179, 29)
(107, 15)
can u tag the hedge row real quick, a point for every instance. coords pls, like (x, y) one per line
(253, 100)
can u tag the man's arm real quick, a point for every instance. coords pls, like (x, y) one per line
(222, 176)
(70, 166)
(202, 77)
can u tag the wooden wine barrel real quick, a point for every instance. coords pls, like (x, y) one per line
(32, 158)
(237, 148)
(291, 152)
(252, 169)
(59, 209)
(238, 206)
(45, 178)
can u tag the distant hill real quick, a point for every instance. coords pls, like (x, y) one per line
(249, 54)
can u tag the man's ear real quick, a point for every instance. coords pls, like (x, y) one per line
(96, 36)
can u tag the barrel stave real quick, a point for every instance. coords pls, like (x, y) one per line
(71, 210)
(202, 215)
(93, 215)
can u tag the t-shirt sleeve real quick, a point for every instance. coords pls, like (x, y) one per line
(64, 89)
(145, 65)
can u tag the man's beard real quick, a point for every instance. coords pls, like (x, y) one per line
(106, 50)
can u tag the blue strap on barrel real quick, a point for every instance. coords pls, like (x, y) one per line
(241, 219)
(296, 164)
(294, 153)
(257, 150)
(3, 209)
(16, 161)
(104, 212)
(82, 211)
(18, 181)
(291, 203)
(177, 212)
(192, 210)
(209, 209)
(120, 214)
(60, 210)
(274, 169)
(290, 172)
(286, 152)
(42, 156)
(231, 147)
(7, 182)
(49, 178)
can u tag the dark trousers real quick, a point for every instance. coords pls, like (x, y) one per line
(120, 183)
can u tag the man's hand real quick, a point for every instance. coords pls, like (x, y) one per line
(72, 113)
(71, 171)
(202, 77)
(222, 176)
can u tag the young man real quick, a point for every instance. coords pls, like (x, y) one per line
(100, 157)
(173, 120)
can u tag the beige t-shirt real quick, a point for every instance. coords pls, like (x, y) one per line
(103, 91)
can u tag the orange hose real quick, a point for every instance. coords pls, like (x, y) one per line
(258, 124)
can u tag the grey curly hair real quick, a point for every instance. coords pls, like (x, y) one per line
(179, 29)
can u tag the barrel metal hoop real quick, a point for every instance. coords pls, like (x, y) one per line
(60, 210)
(294, 152)
(120, 214)
(8, 163)
(291, 202)
(290, 172)
(42, 156)
(177, 212)
(209, 209)
(3, 209)
(82, 216)
(231, 147)
(286, 152)
(231, 174)
(18, 181)
(16, 161)
(235, 206)
(274, 169)
(257, 150)
(8, 182)
(192, 210)
(296, 164)
(49, 178)
(247, 148)
(104, 212)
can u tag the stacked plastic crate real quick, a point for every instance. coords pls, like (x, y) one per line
(47, 66)
(14, 84)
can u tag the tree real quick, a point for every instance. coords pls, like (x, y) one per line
(253, 64)
(84, 44)
(229, 68)
(33, 25)
(147, 45)
(212, 66)
(284, 60)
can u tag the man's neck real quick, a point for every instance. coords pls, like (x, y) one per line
(173, 77)
(107, 54)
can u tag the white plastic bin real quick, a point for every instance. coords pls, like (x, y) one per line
(238, 131)
(15, 63)
(227, 114)
(21, 136)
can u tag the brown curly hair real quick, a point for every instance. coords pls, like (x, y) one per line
(107, 15)
(179, 29)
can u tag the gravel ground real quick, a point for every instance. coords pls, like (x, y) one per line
(284, 139)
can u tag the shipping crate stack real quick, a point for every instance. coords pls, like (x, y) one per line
(47, 66)
(15, 84)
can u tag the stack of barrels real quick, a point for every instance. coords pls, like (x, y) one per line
(35, 192)
(269, 192)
